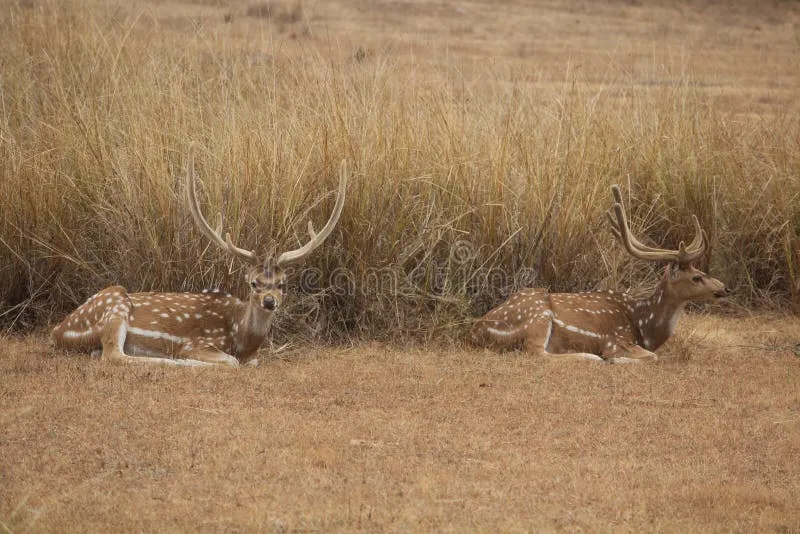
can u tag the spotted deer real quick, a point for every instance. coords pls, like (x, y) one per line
(605, 325)
(192, 329)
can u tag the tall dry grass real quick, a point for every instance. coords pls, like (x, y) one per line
(465, 182)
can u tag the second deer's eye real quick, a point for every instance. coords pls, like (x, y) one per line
(697, 279)
(254, 284)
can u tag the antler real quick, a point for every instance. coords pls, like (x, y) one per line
(215, 236)
(619, 227)
(317, 239)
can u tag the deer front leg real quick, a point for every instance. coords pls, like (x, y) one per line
(210, 357)
(537, 341)
(630, 354)
(113, 340)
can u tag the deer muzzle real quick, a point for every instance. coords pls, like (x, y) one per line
(269, 303)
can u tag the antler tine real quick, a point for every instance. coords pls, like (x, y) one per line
(617, 193)
(695, 249)
(684, 255)
(614, 224)
(622, 231)
(317, 239)
(631, 243)
(700, 239)
(615, 228)
(205, 228)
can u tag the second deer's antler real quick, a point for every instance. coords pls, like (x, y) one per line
(684, 256)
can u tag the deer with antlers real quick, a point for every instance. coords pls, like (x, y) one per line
(607, 325)
(191, 329)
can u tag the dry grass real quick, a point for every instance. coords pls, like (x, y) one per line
(375, 438)
(482, 140)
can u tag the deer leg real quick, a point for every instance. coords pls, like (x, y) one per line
(538, 340)
(211, 357)
(634, 354)
(113, 340)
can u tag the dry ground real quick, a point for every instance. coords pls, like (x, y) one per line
(381, 438)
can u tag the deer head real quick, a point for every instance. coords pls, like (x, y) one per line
(265, 278)
(682, 284)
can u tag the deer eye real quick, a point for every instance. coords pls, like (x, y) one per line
(254, 284)
(697, 279)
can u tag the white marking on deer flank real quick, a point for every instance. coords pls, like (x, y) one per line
(72, 334)
(575, 329)
(501, 333)
(155, 334)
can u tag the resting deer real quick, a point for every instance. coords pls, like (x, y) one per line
(604, 325)
(191, 328)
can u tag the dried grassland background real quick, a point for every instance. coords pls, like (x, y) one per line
(482, 138)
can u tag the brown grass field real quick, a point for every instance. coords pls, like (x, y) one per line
(468, 122)
(383, 438)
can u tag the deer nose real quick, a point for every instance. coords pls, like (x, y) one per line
(269, 303)
(724, 292)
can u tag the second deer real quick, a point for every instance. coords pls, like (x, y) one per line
(605, 325)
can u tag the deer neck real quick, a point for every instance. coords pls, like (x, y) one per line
(252, 329)
(656, 317)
